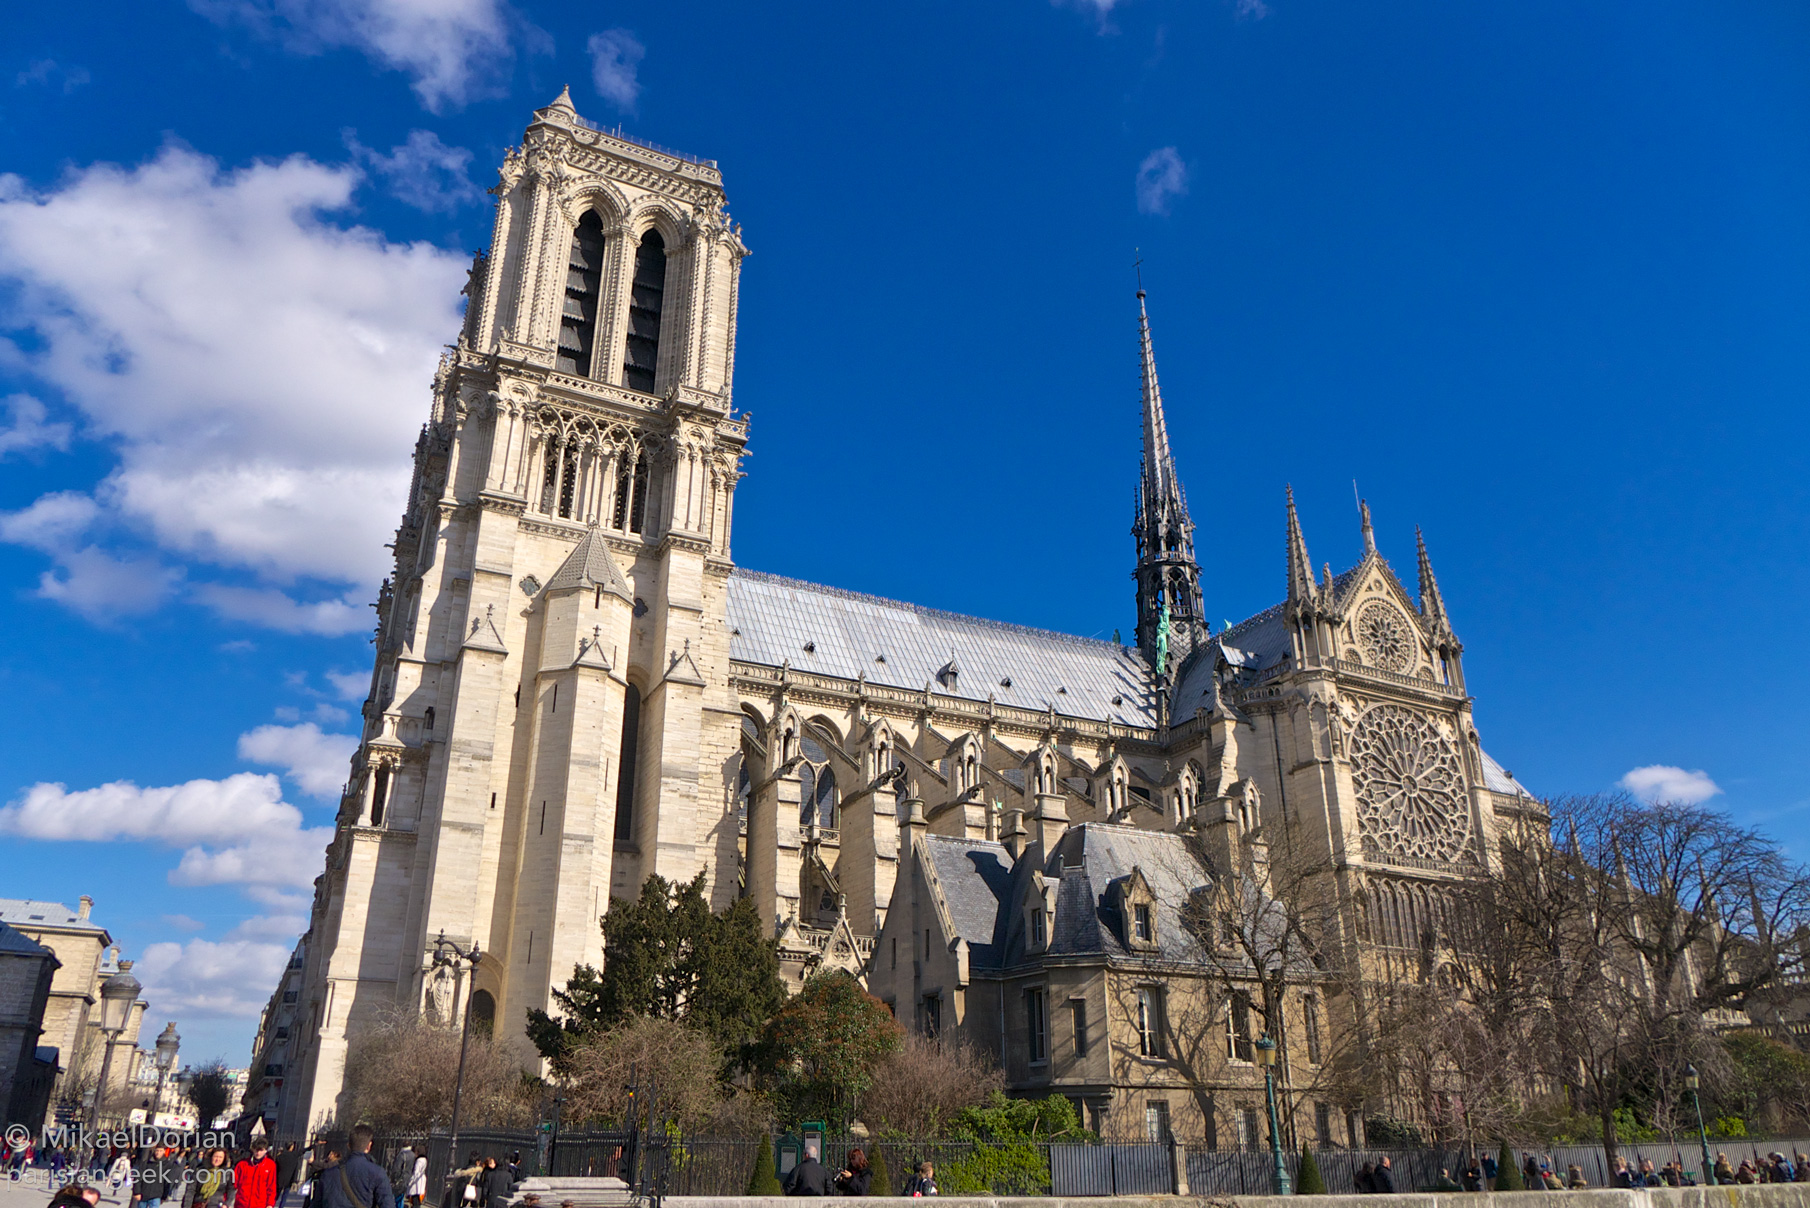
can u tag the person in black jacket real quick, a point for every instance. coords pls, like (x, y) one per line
(497, 1185)
(357, 1181)
(1382, 1178)
(808, 1177)
(857, 1177)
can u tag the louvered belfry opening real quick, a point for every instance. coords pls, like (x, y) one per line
(645, 300)
(578, 324)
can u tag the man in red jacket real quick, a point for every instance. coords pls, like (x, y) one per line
(255, 1178)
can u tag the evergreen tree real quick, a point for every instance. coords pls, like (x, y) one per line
(1308, 1180)
(666, 956)
(822, 1047)
(1508, 1175)
(763, 1181)
(882, 1182)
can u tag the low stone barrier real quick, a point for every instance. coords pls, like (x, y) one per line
(1761, 1195)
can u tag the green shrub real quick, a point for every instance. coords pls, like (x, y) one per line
(882, 1182)
(763, 1181)
(1008, 1169)
(1508, 1175)
(1308, 1181)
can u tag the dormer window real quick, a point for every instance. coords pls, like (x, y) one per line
(1141, 926)
(1137, 913)
(1039, 929)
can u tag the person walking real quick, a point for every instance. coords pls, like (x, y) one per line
(289, 1165)
(211, 1183)
(923, 1182)
(357, 1181)
(498, 1186)
(1472, 1178)
(857, 1176)
(808, 1177)
(255, 1178)
(1383, 1177)
(1365, 1179)
(416, 1187)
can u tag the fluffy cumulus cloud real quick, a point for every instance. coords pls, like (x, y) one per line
(422, 172)
(233, 831)
(208, 979)
(616, 56)
(314, 761)
(454, 51)
(259, 369)
(1162, 177)
(27, 426)
(1662, 782)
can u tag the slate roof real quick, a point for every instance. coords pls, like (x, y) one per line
(590, 564)
(15, 941)
(1497, 779)
(771, 619)
(23, 912)
(975, 876)
(1091, 858)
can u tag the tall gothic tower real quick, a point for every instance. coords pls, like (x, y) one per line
(1168, 577)
(542, 699)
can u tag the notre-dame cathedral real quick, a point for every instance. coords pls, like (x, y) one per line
(576, 687)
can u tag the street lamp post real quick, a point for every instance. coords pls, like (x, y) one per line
(118, 993)
(448, 955)
(167, 1044)
(1265, 1051)
(1709, 1168)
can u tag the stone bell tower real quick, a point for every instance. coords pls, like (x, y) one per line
(550, 719)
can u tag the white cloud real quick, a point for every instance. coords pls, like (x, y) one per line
(1162, 177)
(454, 51)
(46, 71)
(104, 587)
(1253, 10)
(182, 922)
(351, 685)
(211, 979)
(616, 56)
(234, 830)
(273, 610)
(270, 927)
(260, 370)
(1662, 782)
(316, 762)
(51, 523)
(27, 429)
(423, 172)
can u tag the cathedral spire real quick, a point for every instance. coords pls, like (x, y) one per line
(1432, 604)
(1168, 578)
(1300, 566)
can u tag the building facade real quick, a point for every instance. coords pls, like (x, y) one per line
(575, 687)
(28, 1067)
(85, 957)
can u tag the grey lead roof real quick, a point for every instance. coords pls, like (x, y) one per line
(12, 940)
(1497, 779)
(975, 876)
(772, 619)
(590, 564)
(23, 912)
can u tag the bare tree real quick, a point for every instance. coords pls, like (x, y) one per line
(400, 1074)
(928, 1080)
(679, 1062)
(210, 1089)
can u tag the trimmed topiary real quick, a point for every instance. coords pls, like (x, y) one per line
(882, 1182)
(1308, 1180)
(763, 1181)
(1508, 1175)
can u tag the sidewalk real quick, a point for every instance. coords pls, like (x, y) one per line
(33, 1191)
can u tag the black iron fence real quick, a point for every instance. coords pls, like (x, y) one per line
(674, 1164)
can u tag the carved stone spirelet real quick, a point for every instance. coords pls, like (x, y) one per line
(1410, 786)
(1383, 636)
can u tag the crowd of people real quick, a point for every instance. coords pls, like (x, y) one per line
(1537, 1174)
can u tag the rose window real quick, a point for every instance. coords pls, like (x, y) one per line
(1410, 789)
(1384, 637)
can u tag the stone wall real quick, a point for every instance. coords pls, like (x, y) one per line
(1787, 1195)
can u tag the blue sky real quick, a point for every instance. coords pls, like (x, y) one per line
(1533, 274)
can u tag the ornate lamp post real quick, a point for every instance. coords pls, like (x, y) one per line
(1709, 1167)
(448, 955)
(1265, 1052)
(118, 993)
(167, 1044)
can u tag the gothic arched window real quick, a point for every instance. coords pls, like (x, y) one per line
(578, 322)
(625, 766)
(645, 301)
(379, 794)
(816, 786)
(568, 478)
(483, 1012)
(631, 496)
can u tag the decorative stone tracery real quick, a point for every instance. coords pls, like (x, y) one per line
(1410, 786)
(1384, 637)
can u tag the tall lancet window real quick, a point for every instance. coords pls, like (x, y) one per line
(644, 313)
(578, 324)
(631, 496)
